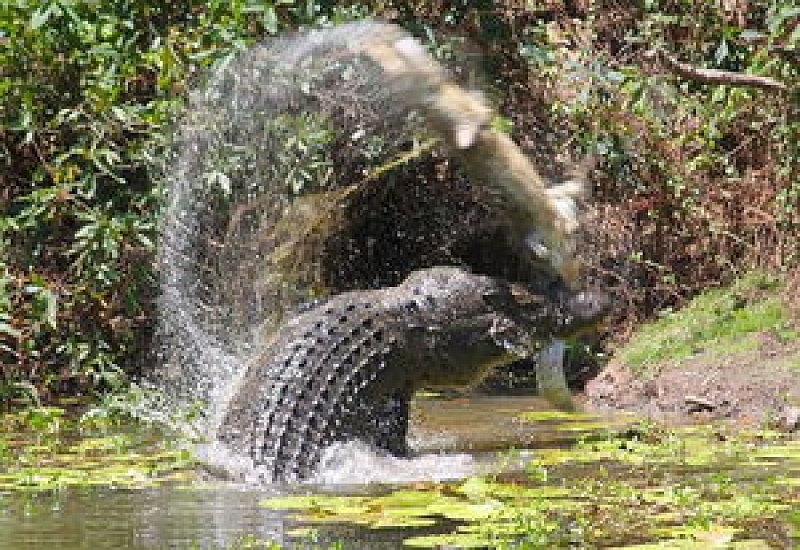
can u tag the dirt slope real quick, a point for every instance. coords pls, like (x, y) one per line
(753, 387)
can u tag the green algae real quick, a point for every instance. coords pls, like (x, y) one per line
(646, 486)
(44, 449)
(641, 485)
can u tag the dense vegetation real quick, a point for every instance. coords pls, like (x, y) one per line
(697, 178)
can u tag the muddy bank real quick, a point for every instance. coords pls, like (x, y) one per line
(753, 387)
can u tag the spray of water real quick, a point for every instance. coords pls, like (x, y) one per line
(264, 155)
(261, 179)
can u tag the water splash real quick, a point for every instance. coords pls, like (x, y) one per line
(260, 182)
(351, 463)
(261, 159)
(355, 463)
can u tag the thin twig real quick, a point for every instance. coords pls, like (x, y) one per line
(715, 76)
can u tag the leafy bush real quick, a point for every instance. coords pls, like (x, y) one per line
(88, 91)
(696, 180)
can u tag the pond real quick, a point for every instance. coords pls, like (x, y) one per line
(489, 472)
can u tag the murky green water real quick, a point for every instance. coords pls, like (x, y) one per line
(576, 481)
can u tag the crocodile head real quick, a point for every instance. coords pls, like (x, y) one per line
(557, 312)
(545, 310)
(460, 325)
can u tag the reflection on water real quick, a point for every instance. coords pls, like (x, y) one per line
(152, 518)
(482, 424)
(452, 439)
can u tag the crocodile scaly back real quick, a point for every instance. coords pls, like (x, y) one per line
(347, 368)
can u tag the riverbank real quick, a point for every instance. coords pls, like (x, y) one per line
(731, 354)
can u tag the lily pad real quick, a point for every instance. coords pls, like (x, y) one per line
(790, 481)
(466, 511)
(790, 451)
(554, 415)
(402, 522)
(407, 499)
(451, 540)
(480, 487)
(405, 508)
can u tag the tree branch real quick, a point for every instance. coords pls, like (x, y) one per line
(715, 76)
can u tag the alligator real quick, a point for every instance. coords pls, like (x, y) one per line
(347, 368)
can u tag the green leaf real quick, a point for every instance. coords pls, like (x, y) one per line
(270, 19)
(41, 16)
(775, 21)
(50, 306)
(794, 39)
(7, 329)
(722, 52)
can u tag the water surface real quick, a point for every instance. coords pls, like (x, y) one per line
(592, 481)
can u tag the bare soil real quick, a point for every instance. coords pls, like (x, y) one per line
(758, 387)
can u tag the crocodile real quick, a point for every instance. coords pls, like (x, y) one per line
(346, 368)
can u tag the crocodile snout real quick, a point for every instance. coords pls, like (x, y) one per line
(557, 311)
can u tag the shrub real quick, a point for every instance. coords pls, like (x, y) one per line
(696, 181)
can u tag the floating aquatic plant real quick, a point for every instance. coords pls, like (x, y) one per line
(647, 486)
(45, 449)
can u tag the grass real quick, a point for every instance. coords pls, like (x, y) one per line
(721, 319)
